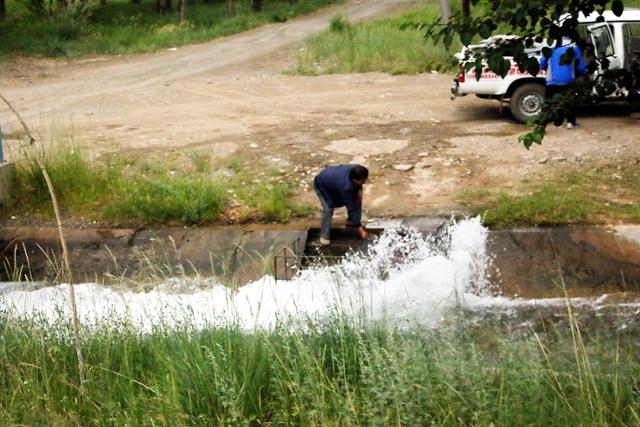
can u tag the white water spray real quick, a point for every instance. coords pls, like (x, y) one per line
(403, 277)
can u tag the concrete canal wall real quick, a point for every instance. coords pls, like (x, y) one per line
(535, 262)
(234, 255)
(7, 177)
(529, 262)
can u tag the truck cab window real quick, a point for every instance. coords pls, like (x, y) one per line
(602, 41)
(631, 33)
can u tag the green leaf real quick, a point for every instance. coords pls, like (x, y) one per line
(478, 69)
(521, 59)
(617, 7)
(555, 32)
(485, 31)
(408, 25)
(568, 57)
(448, 37)
(526, 140)
(533, 66)
(538, 134)
(465, 37)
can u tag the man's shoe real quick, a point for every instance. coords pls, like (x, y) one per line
(572, 125)
(325, 242)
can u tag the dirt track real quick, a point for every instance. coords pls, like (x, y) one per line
(229, 96)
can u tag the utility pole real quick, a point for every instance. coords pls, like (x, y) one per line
(1, 148)
(445, 8)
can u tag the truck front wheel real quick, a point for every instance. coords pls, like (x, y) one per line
(526, 101)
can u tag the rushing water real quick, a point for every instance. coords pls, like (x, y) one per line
(404, 277)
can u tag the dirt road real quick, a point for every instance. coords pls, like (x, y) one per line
(230, 97)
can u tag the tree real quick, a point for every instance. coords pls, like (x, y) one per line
(533, 21)
(166, 7)
(3, 9)
(180, 5)
(466, 9)
(256, 5)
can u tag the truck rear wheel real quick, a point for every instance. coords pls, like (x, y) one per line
(526, 101)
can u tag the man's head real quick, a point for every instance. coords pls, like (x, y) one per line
(359, 175)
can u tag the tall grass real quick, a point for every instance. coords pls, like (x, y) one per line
(162, 199)
(147, 193)
(335, 373)
(122, 26)
(378, 45)
(76, 181)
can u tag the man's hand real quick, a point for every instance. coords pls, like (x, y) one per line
(363, 233)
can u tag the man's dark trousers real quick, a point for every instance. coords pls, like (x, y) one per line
(559, 90)
(327, 215)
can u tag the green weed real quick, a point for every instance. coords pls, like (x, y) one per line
(163, 199)
(339, 24)
(201, 161)
(585, 195)
(272, 200)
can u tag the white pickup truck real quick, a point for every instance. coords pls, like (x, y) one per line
(617, 39)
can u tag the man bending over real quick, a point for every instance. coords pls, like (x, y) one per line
(338, 186)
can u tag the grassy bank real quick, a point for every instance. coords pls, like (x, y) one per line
(196, 189)
(335, 373)
(585, 195)
(122, 26)
(378, 45)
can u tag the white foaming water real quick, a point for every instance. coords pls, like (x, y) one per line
(403, 277)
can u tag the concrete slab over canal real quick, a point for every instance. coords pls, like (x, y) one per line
(529, 262)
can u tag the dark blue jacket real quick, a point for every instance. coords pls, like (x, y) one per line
(338, 190)
(559, 74)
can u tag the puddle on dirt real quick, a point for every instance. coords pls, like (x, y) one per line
(404, 278)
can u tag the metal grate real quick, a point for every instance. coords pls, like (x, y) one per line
(286, 263)
(293, 258)
(306, 252)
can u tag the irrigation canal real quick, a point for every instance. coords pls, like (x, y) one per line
(421, 270)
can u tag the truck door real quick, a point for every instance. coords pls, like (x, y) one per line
(604, 47)
(631, 36)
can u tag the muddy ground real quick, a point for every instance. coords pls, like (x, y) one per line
(230, 97)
